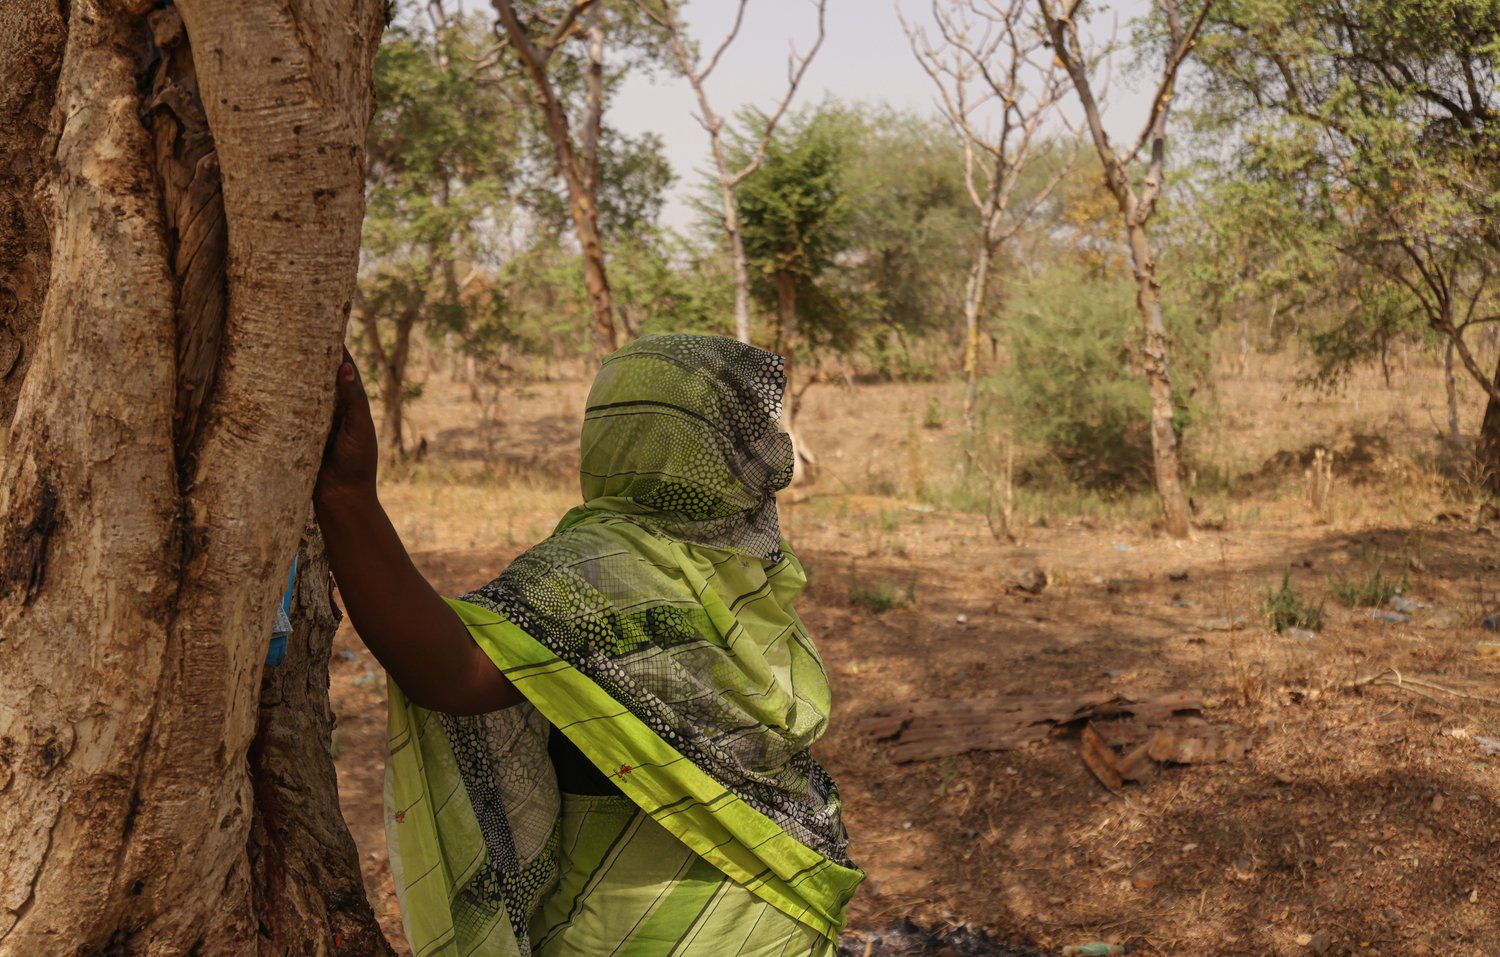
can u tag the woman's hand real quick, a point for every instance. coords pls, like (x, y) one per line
(351, 453)
(411, 631)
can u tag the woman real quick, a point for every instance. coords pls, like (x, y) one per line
(605, 750)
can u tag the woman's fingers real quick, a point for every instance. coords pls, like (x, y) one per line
(349, 457)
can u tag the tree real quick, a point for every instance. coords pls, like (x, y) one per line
(1136, 207)
(793, 212)
(992, 58)
(184, 278)
(1249, 255)
(1387, 109)
(535, 38)
(666, 14)
(903, 274)
(441, 171)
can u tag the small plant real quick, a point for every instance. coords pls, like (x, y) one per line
(875, 597)
(947, 770)
(878, 595)
(1372, 591)
(1286, 608)
(933, 417)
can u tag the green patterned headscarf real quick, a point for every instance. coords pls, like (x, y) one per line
(655, 629)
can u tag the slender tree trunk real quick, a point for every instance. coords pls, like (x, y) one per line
(1242, 307)
(391, 363)
(144, 501)
(586, 203)
(578, 170)
(1450, 388)
(393, 387)
(1158, 378)
(392, 440)
(738, 264)
(787, 337)
(974, 302)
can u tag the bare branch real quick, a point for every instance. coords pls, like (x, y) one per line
(734, 31)
(796, 69)
(1182, 44)
(568, 24)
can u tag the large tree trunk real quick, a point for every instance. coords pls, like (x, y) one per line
(182, 310)
(308, 895)
(31, 44)
(1487, 451)
(1158, 376)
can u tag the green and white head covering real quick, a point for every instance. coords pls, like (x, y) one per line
(655, 629)
(684, 433)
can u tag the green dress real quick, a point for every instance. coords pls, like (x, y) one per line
(655, 629)
(615, 860)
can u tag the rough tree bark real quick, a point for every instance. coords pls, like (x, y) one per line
(177, 291)
(1136, 209)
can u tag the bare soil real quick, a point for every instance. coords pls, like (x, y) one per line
(1365, 819)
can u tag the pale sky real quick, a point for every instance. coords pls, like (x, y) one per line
(865, 57)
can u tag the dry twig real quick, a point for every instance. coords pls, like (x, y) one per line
(1392, 678)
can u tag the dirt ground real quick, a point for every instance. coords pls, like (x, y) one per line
(1365, 817)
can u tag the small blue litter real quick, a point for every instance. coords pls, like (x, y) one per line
(1490, 623)
(282, 629)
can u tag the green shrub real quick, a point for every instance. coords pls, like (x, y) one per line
(1071, 390)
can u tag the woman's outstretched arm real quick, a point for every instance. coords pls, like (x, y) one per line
(411, 631)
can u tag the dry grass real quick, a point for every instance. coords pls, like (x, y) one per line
(1365, 813)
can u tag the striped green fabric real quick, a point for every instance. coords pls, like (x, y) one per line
(616, 859)
(655, 629)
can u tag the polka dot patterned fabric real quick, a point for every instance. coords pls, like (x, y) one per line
(684, 433)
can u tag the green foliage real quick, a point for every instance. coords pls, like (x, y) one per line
(911, 233)
(794, 218)
(1377, 118)
(1070, 389)
(441, 153)
(933, 417)
(661, 284)
(1286, 608)
(634, 176)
